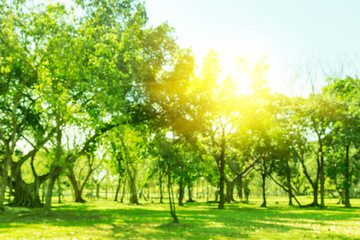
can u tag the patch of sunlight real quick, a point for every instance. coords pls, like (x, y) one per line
(44, 231)
(215, 225)
(104, 226)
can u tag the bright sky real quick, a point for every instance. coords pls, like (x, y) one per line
(295, 35)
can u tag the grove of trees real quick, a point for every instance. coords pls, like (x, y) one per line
(89, 92)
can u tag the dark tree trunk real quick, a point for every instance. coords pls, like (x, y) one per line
(288, 179)
(239, 186)
(246, 190)
(263, 176)
(123, 192)
(10, 191)
(77, 190)
(98, 184)
(149, 192)
(171, 199)
(43, 193)
(322, 180)
(207, 193)
(181, 191)
(190, 199)
(321, 171)
(26, 195)
(161, 188)
(98, 189)
(316, 185)
(221, 170)
(117, 189)
(59, 189)
(341, 197)
(106, 189)
(315, 194)
(230, 190)
(347, 179)
(4, 177)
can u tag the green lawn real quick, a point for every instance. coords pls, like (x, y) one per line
(110, 220)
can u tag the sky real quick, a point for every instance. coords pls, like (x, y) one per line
(302, 40)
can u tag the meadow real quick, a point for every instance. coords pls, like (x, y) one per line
(112, 220)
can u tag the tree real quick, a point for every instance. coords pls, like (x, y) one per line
(318, 114)
(214, 121)
(132, 147)
(345, 138)
(167, 149)
(79, 174)
(91, 70)
(17, 76)
(260, 120)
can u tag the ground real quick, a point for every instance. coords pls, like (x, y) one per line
(110, 220)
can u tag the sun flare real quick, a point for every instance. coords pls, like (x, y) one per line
(243, 68)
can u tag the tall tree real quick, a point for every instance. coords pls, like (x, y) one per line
(345, 140)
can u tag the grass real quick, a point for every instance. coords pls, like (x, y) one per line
(110, 220)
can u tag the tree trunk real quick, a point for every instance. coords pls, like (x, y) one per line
(43, 193)
(50, 187)
(314, 184)
(181, 191)
(59, 189)
(239, 186)
(221, 170)
(54, 174)
(123, 192)
(171, 200)
(322, 180)
(246, 190)
(341, 197)
(284, 188)
(217, 193)
(106, 188)
(10, 146)
(161, 189)
(77, 190)
(347, 179)
(288, 179)
(207, 193)
(263, 175)
(133, 191)
(55, 168)
(11, 191)
(97, 189)
(190, 199)
(315, 194)
(26, 195)
(117, 189)
(4, 178)
(149, 192)
(230, 190)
